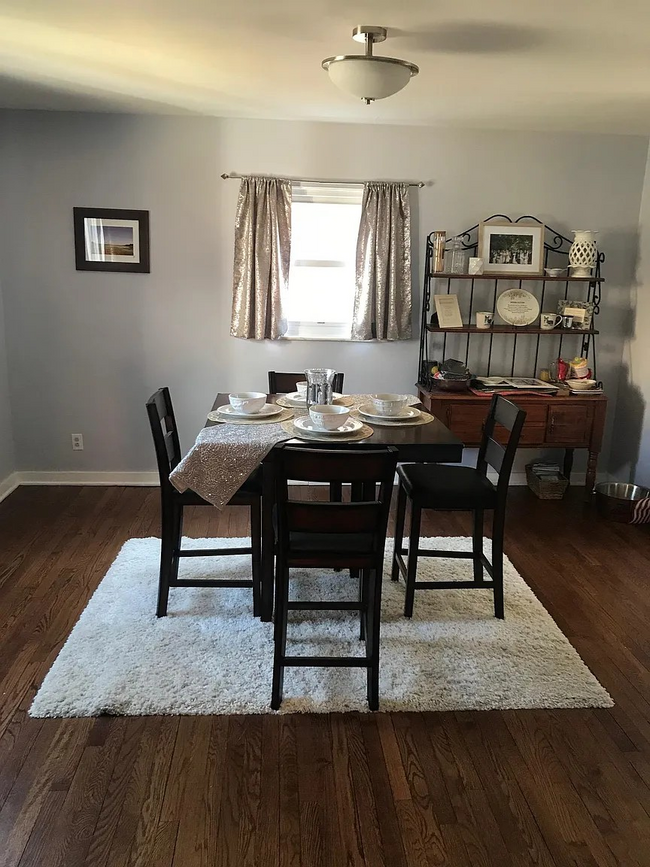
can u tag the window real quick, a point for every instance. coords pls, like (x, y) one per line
(324, 229)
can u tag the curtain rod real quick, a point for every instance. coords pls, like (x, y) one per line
(234, 175)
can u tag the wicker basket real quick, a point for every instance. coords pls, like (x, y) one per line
(546, 489)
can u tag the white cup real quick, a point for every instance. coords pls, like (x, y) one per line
(301, 388)
(475, 265)
(328, 416)
(549, 320)
(389, 404)
(247, 402)
(484, 319)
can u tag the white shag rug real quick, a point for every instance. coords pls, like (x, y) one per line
(211, 656)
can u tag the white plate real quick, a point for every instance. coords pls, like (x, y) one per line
(517, 307)
(227, 411)
(305, 425)
(296, 399)
(407, 414)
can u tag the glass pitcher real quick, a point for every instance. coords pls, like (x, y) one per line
(320, 385)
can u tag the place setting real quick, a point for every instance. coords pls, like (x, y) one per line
(327, 422)
(249, 407)
(390, 410)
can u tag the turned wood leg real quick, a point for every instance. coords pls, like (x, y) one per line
(568, 463)
(590, 481)
(268, 540)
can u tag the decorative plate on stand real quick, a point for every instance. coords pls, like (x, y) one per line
(517, 307)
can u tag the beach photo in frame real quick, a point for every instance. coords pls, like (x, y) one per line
(111, 239)
(511, 248)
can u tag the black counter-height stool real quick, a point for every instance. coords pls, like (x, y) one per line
(453, 488)
(172, 503)
(283, 383)
(326, 535)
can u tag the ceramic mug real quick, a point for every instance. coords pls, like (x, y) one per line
(550, 320)
(484, 319)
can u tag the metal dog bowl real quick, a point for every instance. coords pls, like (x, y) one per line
(620, 502)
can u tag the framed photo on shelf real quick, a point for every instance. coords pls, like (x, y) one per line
(511, 248)
(111, 239)
(582, 312)
(448, 311)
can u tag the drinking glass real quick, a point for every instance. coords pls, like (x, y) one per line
(320, 385)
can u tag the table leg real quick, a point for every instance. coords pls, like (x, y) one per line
(590, 481)
(268, 540)
(568, 463)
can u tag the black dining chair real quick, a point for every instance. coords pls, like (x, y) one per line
(172, 502)
(453, 488)
(283, 383)
(327, 535)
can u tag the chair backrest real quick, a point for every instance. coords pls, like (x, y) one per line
(492, 453)
(283, 383)
(165, 433)
(370, 471)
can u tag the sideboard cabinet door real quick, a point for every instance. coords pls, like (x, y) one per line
(570, 424)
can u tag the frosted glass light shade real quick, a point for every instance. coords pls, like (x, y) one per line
(369, 77)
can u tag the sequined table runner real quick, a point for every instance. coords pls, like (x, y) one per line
(223, 457)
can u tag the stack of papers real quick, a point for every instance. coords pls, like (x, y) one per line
(527, 383)
(547, 470)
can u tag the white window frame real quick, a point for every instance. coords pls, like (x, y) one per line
(348, 194)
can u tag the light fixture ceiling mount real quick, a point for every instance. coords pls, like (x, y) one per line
(367, 76)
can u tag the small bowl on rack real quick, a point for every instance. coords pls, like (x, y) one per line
(554, 272)
(581, 384)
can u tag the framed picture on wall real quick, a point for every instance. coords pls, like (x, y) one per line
(511, 248)
(111, 239)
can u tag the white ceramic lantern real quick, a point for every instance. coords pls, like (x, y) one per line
(583, 253)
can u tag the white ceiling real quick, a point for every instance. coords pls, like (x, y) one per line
(554, 64)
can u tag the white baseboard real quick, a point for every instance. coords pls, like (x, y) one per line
(150, 479)
(37, 477)
(8, 485)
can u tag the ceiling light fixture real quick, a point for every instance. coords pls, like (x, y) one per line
(366, 76)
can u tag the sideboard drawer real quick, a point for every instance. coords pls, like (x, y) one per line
(466, 421)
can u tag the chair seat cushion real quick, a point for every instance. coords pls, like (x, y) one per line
(441, 486)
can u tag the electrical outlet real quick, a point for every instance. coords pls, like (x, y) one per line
(77, 442)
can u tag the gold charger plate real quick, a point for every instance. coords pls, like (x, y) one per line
(362, 434)
(285, 415)
(423, 418)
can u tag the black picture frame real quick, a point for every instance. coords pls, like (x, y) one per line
(111, 239)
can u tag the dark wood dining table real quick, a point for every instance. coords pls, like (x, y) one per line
(427, 443)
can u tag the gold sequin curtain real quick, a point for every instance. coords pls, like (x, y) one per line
(383, 303)
(262, 254)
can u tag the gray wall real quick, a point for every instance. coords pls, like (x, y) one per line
(630, 459)
(86, 349)
(7, 464)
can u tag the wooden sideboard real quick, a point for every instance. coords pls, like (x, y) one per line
(563, 421)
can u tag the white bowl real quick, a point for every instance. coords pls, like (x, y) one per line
(247, 401)
(301, 387)
(581, 384)
(328, 417)
(555, 272)
(389, 404)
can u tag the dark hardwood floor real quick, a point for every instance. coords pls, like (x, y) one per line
(561, 787)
